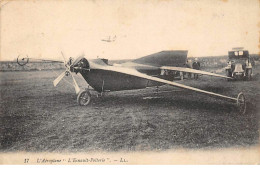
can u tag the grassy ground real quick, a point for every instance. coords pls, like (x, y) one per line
(35, 116)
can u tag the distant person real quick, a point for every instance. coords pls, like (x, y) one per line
(181, 75)
(252, 61)
(196, 65)
(189, 65)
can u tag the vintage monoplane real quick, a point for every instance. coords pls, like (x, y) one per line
(152, 70)
(109, 39)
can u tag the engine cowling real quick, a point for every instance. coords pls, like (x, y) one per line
(81, 64)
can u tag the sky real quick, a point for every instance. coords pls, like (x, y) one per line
(42, 29)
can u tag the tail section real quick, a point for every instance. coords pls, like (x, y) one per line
(176, 58)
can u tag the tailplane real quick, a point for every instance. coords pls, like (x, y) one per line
(175, 58)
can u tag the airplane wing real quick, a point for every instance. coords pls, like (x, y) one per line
(193, 71)
(134, 72)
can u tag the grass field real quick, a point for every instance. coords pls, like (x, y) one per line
(36, 117)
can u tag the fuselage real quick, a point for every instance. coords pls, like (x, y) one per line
(105, 80)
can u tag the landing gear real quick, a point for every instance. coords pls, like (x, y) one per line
(84, 98)
(241, 103)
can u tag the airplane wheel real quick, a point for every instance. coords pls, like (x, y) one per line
(84, 98)
(241, 103)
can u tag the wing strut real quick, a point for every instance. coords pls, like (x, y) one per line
(240, 100)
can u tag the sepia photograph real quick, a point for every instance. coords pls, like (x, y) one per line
(141, 82)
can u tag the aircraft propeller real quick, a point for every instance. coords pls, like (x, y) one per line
(67, 72)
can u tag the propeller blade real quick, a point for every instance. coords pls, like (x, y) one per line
(58, 79)
(77, 89)
(64, 59)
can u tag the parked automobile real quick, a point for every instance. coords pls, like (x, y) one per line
(239, 64)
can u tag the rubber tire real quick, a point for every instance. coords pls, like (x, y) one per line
(81, 95)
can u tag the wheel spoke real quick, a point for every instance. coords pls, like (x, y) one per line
(84, 98)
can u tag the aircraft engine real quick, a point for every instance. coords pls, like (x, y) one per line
(79, 65)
